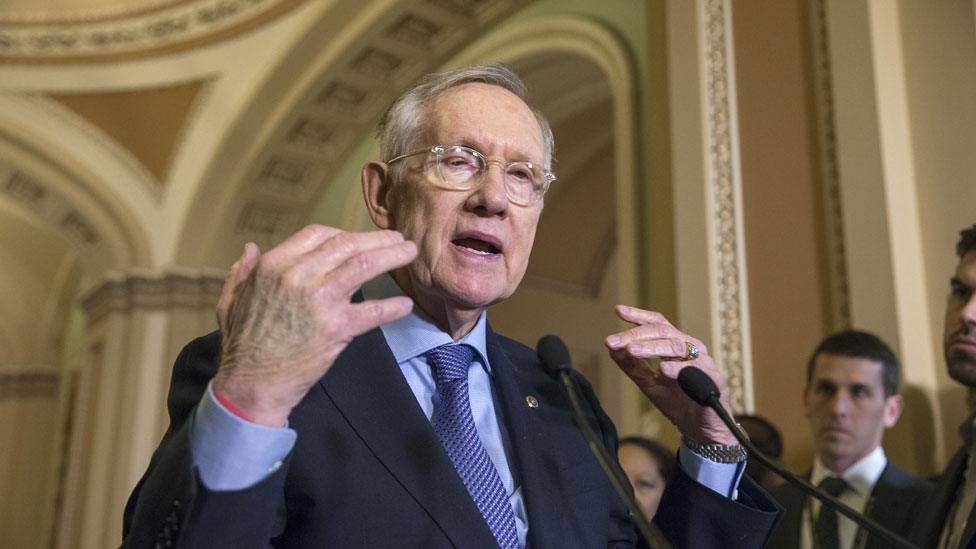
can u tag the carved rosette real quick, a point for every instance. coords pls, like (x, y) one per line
(728, 282)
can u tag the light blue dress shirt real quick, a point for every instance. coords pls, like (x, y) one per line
(232, 454)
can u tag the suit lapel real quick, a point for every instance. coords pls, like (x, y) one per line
(886, 505)
(968, 538)
(929, 529)
(369, 390)
(526, 431)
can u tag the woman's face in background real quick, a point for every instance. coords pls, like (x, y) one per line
(644, 473)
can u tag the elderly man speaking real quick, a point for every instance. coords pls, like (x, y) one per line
(356, 396)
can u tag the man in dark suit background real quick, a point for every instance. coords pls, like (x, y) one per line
(949, 520)
(851, 397)
(341, 406)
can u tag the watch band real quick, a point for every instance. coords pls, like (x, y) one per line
(718, 453)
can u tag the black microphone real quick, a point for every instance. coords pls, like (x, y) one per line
(555, 359)
(700, 388)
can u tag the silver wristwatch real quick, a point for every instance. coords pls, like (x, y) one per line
(718, 453)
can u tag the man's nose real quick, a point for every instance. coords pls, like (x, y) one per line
(839, 403)
(968, 312)
(491, 193)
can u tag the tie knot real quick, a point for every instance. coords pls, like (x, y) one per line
(449, 363)
(833, 486)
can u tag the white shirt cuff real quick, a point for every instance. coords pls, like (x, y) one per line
(722, 478)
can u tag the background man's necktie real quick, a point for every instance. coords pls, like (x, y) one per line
(825, 529)
(454, 425)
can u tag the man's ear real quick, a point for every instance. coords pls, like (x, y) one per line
(892, 410)
(376, 189)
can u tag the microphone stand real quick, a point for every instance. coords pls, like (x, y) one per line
(620, 483)
(873, 527)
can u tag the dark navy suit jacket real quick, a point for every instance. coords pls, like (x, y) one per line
(928, 529)
(896, 501)
(367, 470)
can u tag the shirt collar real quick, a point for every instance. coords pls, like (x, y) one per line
(415, 334)
(861, 476)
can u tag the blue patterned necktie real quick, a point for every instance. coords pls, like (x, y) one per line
(454, 425)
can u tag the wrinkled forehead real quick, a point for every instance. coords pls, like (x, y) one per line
(485, 117)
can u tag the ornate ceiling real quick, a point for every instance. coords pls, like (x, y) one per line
(144, 134)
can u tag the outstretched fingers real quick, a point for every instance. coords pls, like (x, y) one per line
(234, 281)
(347, 277)
(364, 316)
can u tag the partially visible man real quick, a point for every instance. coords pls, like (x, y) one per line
(950, 518)
(356, 395)
(850, 398)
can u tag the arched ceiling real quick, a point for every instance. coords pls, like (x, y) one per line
(576, 235)
(226, 129)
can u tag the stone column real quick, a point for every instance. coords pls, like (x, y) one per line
(136, 324)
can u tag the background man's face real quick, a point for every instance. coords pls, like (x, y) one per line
(960, 322)
(473, 246)
(847, 409)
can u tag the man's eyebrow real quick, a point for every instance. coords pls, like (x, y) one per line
(518, 156)
(955, 282)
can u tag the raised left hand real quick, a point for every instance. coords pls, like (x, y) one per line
(654, 337)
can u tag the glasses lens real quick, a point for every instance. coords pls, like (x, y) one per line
(462, 167)
(458, 166)
(524, 182)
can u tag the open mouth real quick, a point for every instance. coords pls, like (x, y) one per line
(477, 245)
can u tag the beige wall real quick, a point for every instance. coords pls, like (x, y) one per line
(939, 49)
(901, 80)
(783, 214)
(29, 410)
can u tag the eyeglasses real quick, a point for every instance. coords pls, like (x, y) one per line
(461, 168)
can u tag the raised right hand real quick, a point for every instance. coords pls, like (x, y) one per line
(286, 315)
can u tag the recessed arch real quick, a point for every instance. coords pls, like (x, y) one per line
(279, 158)
(602, 83)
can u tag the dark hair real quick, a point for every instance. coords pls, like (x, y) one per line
(967, 241)
(859, 344)
(661, 453)
(763, 434)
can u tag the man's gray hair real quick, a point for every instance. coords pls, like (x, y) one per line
(402, 124)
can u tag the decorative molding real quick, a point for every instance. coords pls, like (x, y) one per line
(840, 300)
(178, 23)
(19, 381)
(50, 206)
(724, 183)
(172, 288)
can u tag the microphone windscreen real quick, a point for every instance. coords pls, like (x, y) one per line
(697, 385)
(553, 354)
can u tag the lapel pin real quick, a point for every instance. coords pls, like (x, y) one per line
(532, 401)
